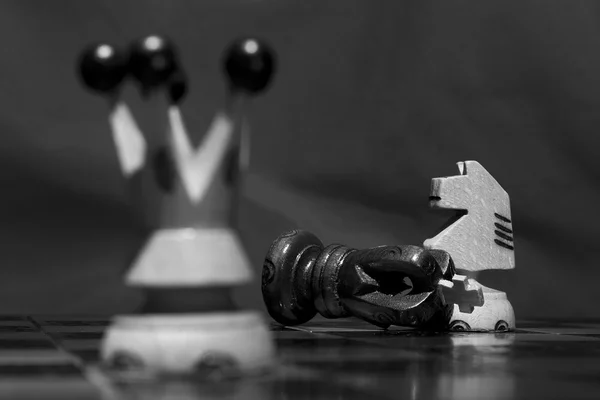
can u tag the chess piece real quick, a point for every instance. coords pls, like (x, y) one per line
(478, 237)
(186, 198)
(385, 285)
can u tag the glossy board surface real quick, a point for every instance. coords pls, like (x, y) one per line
(46, 357)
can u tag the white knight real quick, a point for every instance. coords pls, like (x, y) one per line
(479, 237)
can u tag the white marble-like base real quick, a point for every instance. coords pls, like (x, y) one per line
(207, 345)
(495, 315)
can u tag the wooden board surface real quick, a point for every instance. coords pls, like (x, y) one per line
(45, 357)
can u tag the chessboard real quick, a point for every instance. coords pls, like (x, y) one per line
(57, 357)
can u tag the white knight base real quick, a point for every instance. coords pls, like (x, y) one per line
(493, 314)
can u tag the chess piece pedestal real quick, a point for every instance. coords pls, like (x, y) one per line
(496, 314)
(208, 345)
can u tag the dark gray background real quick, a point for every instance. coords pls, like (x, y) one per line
(371, 101)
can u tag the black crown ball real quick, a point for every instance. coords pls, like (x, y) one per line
(249, 64)
(152, 61)
(102, 67)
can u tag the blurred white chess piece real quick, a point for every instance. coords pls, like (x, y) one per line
(186, 199)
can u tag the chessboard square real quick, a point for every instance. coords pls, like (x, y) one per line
(320, 324)
(87, 355)
(315, 341)
(322, 388)
(61, 336)
(409, 346)
(557, 351)
(71, 317)
(574, 373)
(362, 367)
(330, 329)
(190, 389)
(96, 327)
(336, 349)
(18, 328)
(378, 333)
(23, 323)
(293, 334)
(360, 353)
(12, 344)
(339, 344)
(566, 330)
(62, 320)
(545, 337)
(292, 385)
(33, 388)
(560, 322)
(38, 369)
(586, 335)
(13, 318)
(23, 336)
(41, 356)
(412, 382)
(402, 339)
(78, 345)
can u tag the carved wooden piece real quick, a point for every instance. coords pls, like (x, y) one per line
(385, 285)
(479, 237)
